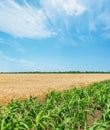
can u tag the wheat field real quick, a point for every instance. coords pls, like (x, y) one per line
(13, 86)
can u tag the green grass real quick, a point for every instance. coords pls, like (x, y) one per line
(73, 109)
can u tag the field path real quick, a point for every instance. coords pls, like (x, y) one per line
(14, 86)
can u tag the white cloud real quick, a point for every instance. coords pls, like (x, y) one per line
(106, 35)
(33, 22)
(98, 14)
(23, 21)
(16, 46)
(69, 7)
(5, 57)
(72, 7)
(27, 64)
(8, 58)
(1, 40)
(61, 14)
(20, 63)
(53, 15)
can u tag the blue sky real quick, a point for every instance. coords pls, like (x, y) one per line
(54, 35)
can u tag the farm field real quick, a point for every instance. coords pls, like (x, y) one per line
(80, 108)
(14, 86)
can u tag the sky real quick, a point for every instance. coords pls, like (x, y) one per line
(54, 35)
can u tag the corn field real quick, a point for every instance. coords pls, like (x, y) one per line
(74, 109)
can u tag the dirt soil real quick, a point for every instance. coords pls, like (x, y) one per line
(13, 86)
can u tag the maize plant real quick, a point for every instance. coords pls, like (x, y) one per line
(74, 109)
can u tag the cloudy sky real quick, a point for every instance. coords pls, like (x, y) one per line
(54, 35)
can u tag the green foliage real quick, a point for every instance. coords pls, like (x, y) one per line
(73, 109)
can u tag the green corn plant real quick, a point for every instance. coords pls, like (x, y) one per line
(67, 110)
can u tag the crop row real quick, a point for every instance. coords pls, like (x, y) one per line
(74, 109)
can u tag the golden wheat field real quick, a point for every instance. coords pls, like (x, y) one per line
(13, 86)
